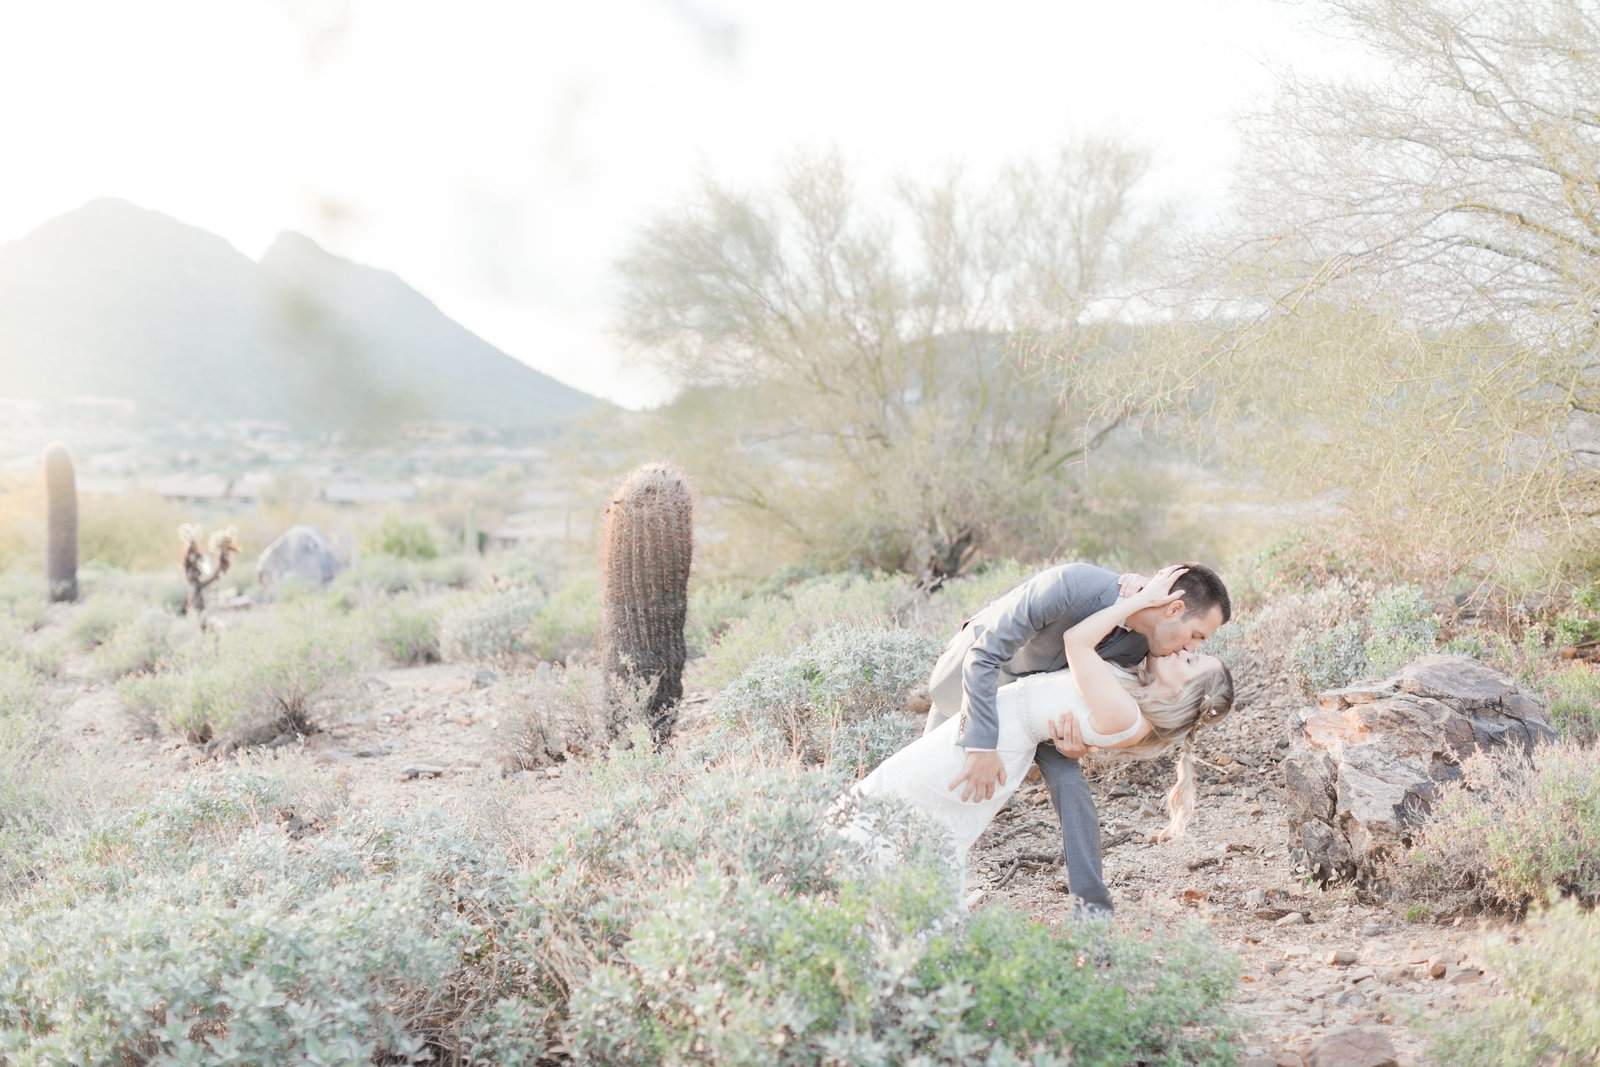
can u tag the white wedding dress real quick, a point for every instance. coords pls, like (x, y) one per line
(922, 771)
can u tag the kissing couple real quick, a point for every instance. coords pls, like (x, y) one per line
(1074, 660)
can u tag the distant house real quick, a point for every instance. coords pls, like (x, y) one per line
(547, 515)
(354, 492)
(208, 489)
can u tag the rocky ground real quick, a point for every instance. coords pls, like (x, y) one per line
(1317, 963)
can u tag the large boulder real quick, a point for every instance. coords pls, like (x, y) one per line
(300, 554)
(1370, 759)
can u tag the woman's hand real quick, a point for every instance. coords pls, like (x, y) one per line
(1157, 592)
(1068, 737)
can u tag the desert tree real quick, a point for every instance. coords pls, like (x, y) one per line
(1407, 319)
(890, 378)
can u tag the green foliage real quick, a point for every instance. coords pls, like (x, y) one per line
(251, 682)
(1402, 628)
(1547, 1012)
(454, 572)
(408, 632)
(378, 574)
(1515, 831)
(99, 617)
(568, 622)
(494, 624)
(1336, 658)
(777, 622)
(1581, 621)
(756, 939)
(405, 540)
(136, 647)
(1575, 701)
(835, 699)
(713, 608)
(199, 931)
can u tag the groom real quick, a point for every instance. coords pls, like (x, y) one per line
(1021, 633)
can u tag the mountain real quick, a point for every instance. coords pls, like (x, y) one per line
(114, 300)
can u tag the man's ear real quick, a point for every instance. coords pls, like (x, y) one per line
(1173, 610)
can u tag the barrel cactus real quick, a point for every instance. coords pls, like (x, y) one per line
(646, 545)
(61, 523)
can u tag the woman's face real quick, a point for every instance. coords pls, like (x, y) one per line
(1181, 668)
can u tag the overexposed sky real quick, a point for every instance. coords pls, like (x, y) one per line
(498, 154)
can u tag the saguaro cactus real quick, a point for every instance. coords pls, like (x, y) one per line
(646, 545)
(61, 523)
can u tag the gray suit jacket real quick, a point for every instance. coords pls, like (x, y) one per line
(1021, 633)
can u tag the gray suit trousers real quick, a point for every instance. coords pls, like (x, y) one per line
(1069, 795)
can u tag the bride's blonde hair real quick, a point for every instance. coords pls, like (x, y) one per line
(1175, 717)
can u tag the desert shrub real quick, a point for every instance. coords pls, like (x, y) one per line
(757, 936)
(1581, 619)
(713, 608)
(22, 599)
(220, 925)
(1402, 627)
(780, 620)
(98, 618)
(569, 620)
(250, 684)
(40, 791)
(20, 692)
(1333, 659)
(136, 647)
(494, 624)
(1574, 693)
(1547, 1012)
(407, 632)
(835, 699)
(557, 712)
(454, 572)
(1513, 831)
(377, 575)
(405, 540)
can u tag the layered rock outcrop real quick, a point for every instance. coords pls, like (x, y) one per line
(1370, 758)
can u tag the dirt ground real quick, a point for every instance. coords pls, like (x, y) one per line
(1315, 961)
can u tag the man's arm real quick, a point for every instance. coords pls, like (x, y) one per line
(1072, 592)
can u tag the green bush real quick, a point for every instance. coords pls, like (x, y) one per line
(713, 609)
(1402, 628)
(408, 633)
(1581, 620)
(200, 931)
(1547, 1012)
(1336, 658)
(835, 699)
(1575, 701)
(454, 572)
(378, 575)
(568, 622)
(753, 938)
(777, 622)
(1514, 831)
(251, 683)
(20, 692)
(136, 647)
(405, 540)
(97, 619)
(492, 625)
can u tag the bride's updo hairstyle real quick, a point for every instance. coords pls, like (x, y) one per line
(1175, 718)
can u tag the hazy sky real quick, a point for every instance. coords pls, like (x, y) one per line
(498, 155)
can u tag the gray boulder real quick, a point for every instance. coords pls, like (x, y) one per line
(1370, 759)
(300, 554)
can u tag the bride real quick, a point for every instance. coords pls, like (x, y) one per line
(1155, 710)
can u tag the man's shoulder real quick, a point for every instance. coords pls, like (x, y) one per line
(1082, 575)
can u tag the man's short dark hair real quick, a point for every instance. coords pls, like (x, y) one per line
(1203, 590)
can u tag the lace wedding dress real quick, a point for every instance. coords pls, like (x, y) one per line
(922, 771)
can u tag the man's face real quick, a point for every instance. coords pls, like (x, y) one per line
(1179, 632)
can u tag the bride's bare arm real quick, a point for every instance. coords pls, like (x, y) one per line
(1111, 708)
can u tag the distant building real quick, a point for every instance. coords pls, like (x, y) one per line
(355, 492)
(209, 488)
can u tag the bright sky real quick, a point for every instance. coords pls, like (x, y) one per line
(498, 154)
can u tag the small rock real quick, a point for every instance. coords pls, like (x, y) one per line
(1258, 1061)
(1287, 1058)
(1294, 918)
(1361, 974)
(1352, 1048)
(1296, 952)
(1393, 975)
(1273, 966)
(1255, 898)
(1371, 929)
(483, 677)
(1463, 976)
(420, 770)
(369, 753)
(1341, 957)
(1438, 968)
(552, 772)
(1349, 997)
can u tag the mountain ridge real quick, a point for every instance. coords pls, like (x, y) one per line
(112, 299)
